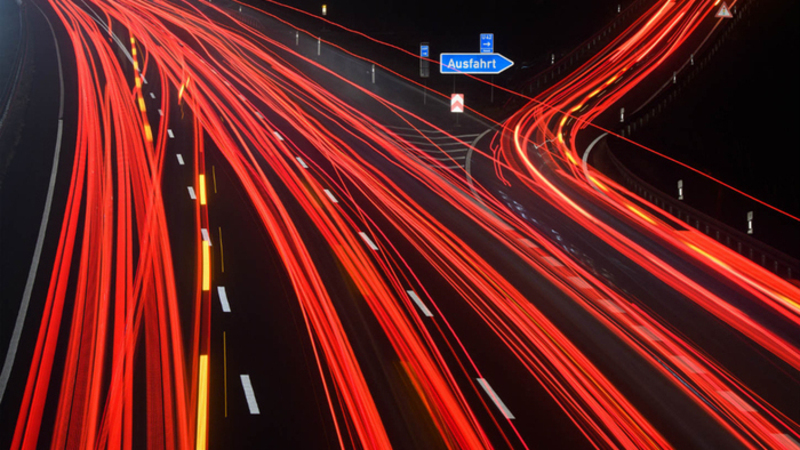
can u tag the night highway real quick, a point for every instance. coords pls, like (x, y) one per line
(258, 225)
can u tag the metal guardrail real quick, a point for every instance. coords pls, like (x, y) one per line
(768, 257)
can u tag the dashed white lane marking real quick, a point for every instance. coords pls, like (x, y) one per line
(648, 333)
(302, 163)
(528, 243)
(736, 401)
(499, 403)
(160, 112)
(252, 405)
(277, 135)
(413, 295)
(260, 116)
(330, 196)
(579, 282)
(144, 80)
(611, 306)
(180, 158)
(368, 240)
(553, 262)
(191, 193)
(223, 299)
(170, 134)
(786, 441)
(153, 96)
(689, 365)
(206, 237)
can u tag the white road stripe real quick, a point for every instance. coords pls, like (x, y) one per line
(260, 116)
(278, 135)
(413, 295)
(579, 282)
(160, 112)
(528, 243)
(689, 365)
(302, 163)
(223, 299)
(206, 237)
(180, 158)
(553, 262)
(330, 196)
(648, 333)
(169, 132)
(737, 401)
(191, 193)
(153, 96)
(368, 240)
(252, 405)
(499, 403)
(611, 306)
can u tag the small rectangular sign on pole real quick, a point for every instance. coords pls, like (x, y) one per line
(457, 103)
(324, 10)
(487, 42)
(424, 64)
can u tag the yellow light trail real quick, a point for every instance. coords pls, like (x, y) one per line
(202, 184)
(202, 404)
(206, 266)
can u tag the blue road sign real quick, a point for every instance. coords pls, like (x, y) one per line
(487, 42)
(473, 63)
(423, 51)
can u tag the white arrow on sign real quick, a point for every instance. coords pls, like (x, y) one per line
(457, 103)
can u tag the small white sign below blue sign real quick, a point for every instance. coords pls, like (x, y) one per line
(487, 42)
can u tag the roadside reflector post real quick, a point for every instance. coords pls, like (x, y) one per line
(691, 59)
(319, 46)
(373, 74)
(296, 38)
(324, 10)
(552, 59)
(619, 9)
(680, 189)
(674, 77)
(622, 115)
(749, 222)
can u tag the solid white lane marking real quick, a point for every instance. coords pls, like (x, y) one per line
(689, 365)
(648, 333)
(736, 401)
(579, 282)
(786, 440)
(223, 299)
(153, 96)
(169, 132)
(499, 403)
(330, 196)
(191, 192)
(278, 135)
(206, 237)
(252, 405)
(611, 306)
(160, 112)
(553, 262)
(368, 240)
(302, 163)
(413, 295)
(180, 158)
